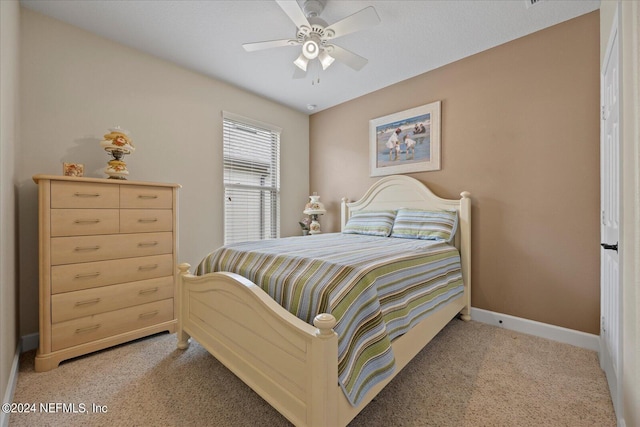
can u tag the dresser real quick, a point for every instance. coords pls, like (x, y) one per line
(107, 259)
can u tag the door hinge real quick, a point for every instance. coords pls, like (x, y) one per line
(602, 112)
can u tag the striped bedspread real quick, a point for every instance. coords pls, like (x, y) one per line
(377, 288)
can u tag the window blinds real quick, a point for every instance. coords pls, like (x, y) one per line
(251, 153)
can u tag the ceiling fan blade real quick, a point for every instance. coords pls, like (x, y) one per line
(252, 47)
(293, 11)
(367, 17)
(349, 58)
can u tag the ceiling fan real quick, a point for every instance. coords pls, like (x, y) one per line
(316, 36)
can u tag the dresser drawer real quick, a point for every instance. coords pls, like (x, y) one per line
(145, 220)
(75, 249)
(72, 305)
(145, 197)
(91, 328)
(66, 194)
(74, 277)
(78, 222)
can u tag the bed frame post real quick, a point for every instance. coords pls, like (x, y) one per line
(465, 251)
(183, 337)
(323, 405)
(344, 213)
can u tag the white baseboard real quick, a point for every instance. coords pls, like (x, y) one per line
(11, 386)
(538, 329)
(30, 342)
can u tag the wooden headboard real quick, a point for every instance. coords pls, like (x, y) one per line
(400, 191)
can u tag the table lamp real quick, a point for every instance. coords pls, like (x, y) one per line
(314, 208)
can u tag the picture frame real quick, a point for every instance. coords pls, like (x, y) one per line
(72, 169)
(405, 142)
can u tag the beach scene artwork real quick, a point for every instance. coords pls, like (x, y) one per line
(404, 142)
(411, 143)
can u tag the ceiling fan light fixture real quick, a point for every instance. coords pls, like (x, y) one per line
(325, 59)
(301, 62)
(311, 47)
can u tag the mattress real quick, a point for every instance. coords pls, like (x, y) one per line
(377, 288)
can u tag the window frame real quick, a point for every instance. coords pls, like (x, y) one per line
(269, 205)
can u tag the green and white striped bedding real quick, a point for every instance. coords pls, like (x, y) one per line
(370, 223)
(427, 225)
(376, 287)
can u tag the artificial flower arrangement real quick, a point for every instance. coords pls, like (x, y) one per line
(305, 224)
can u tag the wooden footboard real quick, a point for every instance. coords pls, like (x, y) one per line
(291, 364)
(288, 362)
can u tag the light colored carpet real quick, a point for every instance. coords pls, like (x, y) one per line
(470, 375)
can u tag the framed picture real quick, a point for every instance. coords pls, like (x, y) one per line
(72, 169)
(405, 142)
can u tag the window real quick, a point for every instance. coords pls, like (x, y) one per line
(251, 152)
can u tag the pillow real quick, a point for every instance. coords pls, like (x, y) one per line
(370, 223)
(426, 225)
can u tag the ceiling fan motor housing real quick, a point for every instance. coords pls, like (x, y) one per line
(318, 28)
(313, 8)
(314, 40)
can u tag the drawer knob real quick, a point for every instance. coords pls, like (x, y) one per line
(86, 194)
(148, 220)
(87, 329)
(147, 196)
(87, 275)
(148, 291)
(87, 302)
(148, 314)
(86, 221)
(86, 248)
(148, 267)
(143, 244)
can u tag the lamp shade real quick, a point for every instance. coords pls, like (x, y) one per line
(325, 59)
(117, 140)
(301, 62)
(315, 206)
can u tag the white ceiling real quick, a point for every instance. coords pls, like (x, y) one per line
(412, 38)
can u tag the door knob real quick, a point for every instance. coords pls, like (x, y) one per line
(612, 247)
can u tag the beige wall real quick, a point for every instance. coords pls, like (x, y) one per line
(520, 131)
(75, 85)
(9, 116)
(629, 37)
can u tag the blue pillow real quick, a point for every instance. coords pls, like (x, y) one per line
(425, 225)
(370, 223)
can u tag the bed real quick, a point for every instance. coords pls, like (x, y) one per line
(298, 368)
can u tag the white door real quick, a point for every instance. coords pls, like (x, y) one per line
(610, 303)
